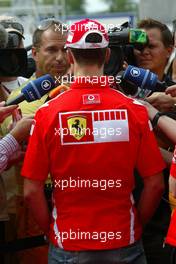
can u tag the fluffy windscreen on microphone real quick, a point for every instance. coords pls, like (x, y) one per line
(59, 89)
(3, 37)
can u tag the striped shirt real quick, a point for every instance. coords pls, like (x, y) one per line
(8, 146)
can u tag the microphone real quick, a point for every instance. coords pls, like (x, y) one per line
(58, 90)
(34, 90)
(144, 80)
(3, 37)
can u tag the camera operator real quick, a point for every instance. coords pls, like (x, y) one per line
(15, 32)
(155, 57)
(10, 145)
(49, 55)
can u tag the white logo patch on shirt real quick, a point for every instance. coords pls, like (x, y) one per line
(86, 127)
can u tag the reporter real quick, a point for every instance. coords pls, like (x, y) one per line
(155, 57)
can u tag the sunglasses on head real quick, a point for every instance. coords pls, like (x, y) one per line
(46, 23)
(15, 25)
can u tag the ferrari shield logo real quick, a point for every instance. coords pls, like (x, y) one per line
(77, 126)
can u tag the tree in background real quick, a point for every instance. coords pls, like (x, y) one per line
(72, 6)
(75, 7)
(121, 5)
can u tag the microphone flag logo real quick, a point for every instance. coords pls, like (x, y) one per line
(135, 72)
(46, 85)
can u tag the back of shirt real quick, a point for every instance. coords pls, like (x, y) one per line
(90, 139)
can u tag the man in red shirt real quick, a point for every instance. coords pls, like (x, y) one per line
(90, 139)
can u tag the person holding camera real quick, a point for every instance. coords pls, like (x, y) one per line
(155, 57)
(15, 32)
(88, 136)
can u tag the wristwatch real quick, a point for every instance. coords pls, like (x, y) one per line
(156, 118)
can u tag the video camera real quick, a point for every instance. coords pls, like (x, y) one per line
(122, 42)
(134, 81)
(13, 61)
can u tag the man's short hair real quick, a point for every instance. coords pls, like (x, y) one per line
(53, 24)
(166, 34)
(89, 56)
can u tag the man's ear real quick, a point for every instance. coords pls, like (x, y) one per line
(70, 57)
(170, 50)
(108, 53)
(34, 53)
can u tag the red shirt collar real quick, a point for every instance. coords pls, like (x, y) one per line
(91, 82)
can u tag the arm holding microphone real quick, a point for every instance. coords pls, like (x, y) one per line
(146, 85)
(164, 122)
(10, 144)
(34, 90)
(163, 102)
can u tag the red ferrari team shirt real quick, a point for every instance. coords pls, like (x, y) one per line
(90, 139)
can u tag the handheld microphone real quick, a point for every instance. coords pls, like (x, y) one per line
(3, 37)
(146, 80)
(58, 90)
(34, 90)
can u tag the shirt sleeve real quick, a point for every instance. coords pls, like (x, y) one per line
(36, 162)
(150, 160)
(8, 146)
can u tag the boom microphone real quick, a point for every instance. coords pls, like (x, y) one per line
(34, 90)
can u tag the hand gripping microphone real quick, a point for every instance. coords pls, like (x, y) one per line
(34, 90)
(146, 80)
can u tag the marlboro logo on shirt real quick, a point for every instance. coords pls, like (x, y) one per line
(87, 127)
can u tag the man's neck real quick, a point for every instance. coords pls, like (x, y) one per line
(88, 71)
(38, 74)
